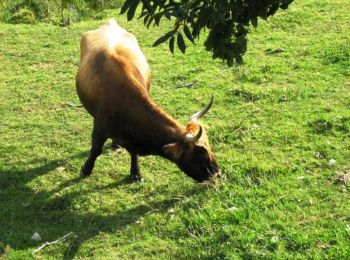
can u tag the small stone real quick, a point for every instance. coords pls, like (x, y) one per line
(60, 169)
(36, 236)
(300, 177)
(322, 246)
(318, 155)
(171, 210)
(232, 209)
(274, 239)
(331, 162)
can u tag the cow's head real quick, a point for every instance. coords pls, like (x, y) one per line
(193, 154)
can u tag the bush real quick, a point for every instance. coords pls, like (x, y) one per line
(39, 8)
(23, 16)
(61, 12)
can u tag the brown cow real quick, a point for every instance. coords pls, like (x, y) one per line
(112, 83)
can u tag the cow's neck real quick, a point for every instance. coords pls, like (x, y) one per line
(156, 129)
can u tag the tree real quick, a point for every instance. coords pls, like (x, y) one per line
(227, 22)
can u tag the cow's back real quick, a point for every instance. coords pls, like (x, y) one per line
(111, 60)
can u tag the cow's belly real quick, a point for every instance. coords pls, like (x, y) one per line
(88, 89)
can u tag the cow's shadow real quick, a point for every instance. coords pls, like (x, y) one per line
(52, 215)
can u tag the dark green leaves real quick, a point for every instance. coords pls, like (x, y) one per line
(130, 6)
(171, 37)
(164, 38)
(188, 33)
(181, 43)
(225, 20)
(171, 44)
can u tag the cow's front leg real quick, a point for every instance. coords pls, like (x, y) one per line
(134, 168)
(98, 140)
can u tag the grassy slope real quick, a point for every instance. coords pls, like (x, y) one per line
(276, 123)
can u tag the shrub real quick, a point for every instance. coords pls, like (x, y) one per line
(61, 12)
(23, 16)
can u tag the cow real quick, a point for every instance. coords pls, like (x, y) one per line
(112, 83)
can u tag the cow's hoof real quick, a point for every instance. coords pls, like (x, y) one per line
(84, 173)
(115, 145)
(137, 178)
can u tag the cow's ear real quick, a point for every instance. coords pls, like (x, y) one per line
(173, 150)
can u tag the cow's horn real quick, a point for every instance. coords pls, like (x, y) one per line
(201, 113)
(192, 139)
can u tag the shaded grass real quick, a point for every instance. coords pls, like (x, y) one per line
(275, 124)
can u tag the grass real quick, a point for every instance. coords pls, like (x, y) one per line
(277, 123)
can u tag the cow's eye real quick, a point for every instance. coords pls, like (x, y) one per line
(201, 151)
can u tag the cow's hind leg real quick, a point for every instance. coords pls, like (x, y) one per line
(134, 168)
(115, 144)
(98, 140)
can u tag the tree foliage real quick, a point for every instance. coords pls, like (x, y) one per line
(227, 22)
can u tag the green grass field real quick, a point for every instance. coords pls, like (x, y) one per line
(277, 125)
